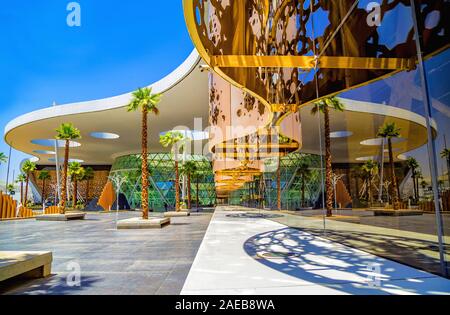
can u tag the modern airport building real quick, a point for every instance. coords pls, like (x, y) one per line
(246, 100)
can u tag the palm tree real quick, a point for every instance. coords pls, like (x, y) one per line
(76, 173)
(66, 132)
(172, 138)
(389, 131)
(10, 189)
(89, 175)
(189, 169)
(144, 100)
(370, 169)
(445, 154)
(21, 179)
(413, 165)
(323, 106)
(43, 176)
(28, 167)
(304, 172)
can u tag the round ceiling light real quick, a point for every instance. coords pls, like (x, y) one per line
(341, 134)
(379, 141)
(61, 160)
(104, 135)
(51, 143)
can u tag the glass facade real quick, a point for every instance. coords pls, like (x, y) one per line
(162, 174)
(381, 183)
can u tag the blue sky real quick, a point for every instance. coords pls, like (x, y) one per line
(120, 45)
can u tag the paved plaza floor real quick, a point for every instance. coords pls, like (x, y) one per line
(246, 253)
(111, 261)
(236, 250)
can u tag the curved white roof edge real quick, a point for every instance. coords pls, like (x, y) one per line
(160, 86)
(386, 110)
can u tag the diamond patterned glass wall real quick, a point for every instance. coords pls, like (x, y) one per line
(162, 188)
(262, 192)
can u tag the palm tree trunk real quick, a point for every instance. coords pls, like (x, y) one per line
(177, 186)
(369, 189)
(144, 184)
(25, 197)
(75, 191)
(197, 193)
(62, 204)
(43, 191)
(417, 189)
(189, 191)
(303, 192)
(279, 185)
(328, 165)
(395, 197)
(21, 193)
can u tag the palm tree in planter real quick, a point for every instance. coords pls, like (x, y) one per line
(21, 179)
(304, 172)
(66, 132)
(413, 165)
(147, 102)
(445, 154)
(173, 138)
(89, 175)
(189, 169)
(370, 170)
(323, 106)
(44, 176)
(76, 173)
(27, 168)
(389, 131)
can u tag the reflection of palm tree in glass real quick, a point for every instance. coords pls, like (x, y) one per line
(389, 131)
(323, 106)
(413, 165)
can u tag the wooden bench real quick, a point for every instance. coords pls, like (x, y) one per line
(26, 264)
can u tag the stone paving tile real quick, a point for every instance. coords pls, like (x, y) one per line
(111, 261)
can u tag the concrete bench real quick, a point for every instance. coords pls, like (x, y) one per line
(61, 217)
(29, 264)
(395, 213)
(139, 223)
(182, 213)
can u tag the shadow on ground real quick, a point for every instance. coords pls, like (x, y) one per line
(317, 260)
